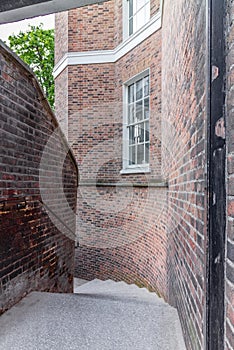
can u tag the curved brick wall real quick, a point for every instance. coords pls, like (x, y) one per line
(120, 228)
(143, 233)
(130, 245)
(184, 132)
(36, 226)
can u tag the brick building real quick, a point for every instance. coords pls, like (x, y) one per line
(92, 118)
(135, 98)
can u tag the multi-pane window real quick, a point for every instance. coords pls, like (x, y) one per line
(138, 122)
(138, 14)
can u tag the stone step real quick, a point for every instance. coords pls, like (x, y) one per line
(117, 289)
(46, 321)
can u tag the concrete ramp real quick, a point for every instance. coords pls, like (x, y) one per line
(101, 316)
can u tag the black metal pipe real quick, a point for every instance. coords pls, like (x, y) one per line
(216, 160)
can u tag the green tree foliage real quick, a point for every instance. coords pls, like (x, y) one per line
(36, 48)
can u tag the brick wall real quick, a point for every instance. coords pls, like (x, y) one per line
(158, 236)
(118, 11)
(184, 159)
(148, 234)
(38, 180)
(230, 179)
(118, 35)
(147, 55)
(154, 7)
(91, 27)
(61, 35)
(120, 233)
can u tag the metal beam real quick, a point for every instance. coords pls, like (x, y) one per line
(16, 10)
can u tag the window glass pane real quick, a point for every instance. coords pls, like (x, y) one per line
(139, 111)
(140, 3)
(141, 133)
(140, 154)
(147, 153)
(131, 135)
(134, 24)
(131, 113)
(147, 12)
(131, 93)
(134, 6)
(139, 91)
(146, 131)
(146, 86)
(146, 108)
(132, 155)
(138, 14)
(131, 26)
(140, 18)
(130, 6)
(136, 132)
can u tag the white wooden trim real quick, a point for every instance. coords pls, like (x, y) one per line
(109, 56)
(125, 19)
(138, 168)
(125, 150)
(136, 77)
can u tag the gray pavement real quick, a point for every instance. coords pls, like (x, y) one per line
(102, 316)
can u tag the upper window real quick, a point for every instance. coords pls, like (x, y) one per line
(138, 123)
(138, 14)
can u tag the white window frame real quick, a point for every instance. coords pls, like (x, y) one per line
(136, 168)
(126, 19)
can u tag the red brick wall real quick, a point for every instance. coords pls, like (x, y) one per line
(151, 235)
(230, 180)
(118, 35)
(146, 235)
(154, 7)
(120, 233)
(127, 242)
(61, 35)
(91, 27)
(184, 159)
(147, 55)
(36, 250)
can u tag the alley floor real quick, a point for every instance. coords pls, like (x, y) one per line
(98, 316)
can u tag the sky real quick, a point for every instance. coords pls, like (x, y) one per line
(14, 28)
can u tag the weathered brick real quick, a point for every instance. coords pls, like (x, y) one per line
(183, 100)
(168, 252)
(26, 229)
(93, 111)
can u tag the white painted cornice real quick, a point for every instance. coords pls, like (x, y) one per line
(110, 56)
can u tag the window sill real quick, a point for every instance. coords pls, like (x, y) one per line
(137, 170)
